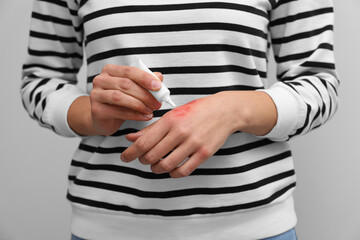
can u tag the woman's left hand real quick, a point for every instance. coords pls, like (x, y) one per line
(188, 135)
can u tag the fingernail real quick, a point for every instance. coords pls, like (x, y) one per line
(133, 134)
(148, 110)
(148, 116)
(156, 84)
(122, 158)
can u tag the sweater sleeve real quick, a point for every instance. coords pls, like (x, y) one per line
(49, 84)
(306, 91)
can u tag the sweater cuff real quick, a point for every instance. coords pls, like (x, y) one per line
(288, 111)
(57, 107)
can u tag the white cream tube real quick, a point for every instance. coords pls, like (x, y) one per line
(162, 95)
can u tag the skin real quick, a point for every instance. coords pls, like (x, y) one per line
(119, 93)
(181, 140)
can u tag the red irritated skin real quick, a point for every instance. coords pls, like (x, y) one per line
(183, 110)
(190, 134)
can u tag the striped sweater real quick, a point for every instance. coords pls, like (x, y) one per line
(202, 47)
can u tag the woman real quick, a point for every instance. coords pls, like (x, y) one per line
(219, 165)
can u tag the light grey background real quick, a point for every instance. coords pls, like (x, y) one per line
(34, 161)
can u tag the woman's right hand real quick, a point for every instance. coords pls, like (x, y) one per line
(119, 93)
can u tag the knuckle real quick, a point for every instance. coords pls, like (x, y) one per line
(138, 106)
(183, 171)
(204, 153)
(125, 84)
(165, 166)
(116, 96)
(196, 141)
(142, 160)
(98, 80)
(150, 158)
(107, 67)
(142, 144)
(182, 132)
(127, 71)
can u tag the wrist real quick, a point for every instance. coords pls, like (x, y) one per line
(252, 112)
(79, 116)
(264, 117)
(234, 115)
(289, 112)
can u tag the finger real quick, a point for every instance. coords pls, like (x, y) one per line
(173, 160)
(191, 164)
(127, 86)
(144, 143)
(118, 98)
(166, 145)
(102, 111)
(132, 137)
(142, 78)
(159, 75)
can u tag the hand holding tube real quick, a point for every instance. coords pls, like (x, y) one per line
(162, 95)
(119, 93)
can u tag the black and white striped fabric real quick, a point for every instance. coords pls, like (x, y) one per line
(202, 47)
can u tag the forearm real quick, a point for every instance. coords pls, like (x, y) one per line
(253, 112)
(81, 119)
(79, 116)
